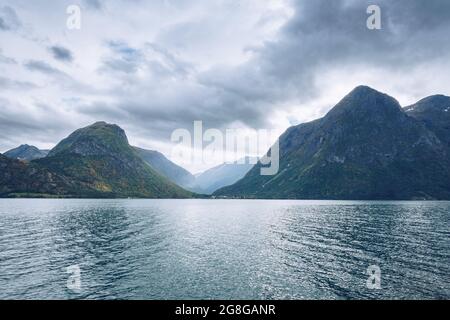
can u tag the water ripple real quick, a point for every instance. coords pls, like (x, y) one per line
(239, 249)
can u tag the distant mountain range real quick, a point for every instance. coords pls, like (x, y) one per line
(221, 176)
(203, 183)
(366, 147)
(26, 152)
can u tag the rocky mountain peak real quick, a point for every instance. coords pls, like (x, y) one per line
(99, 138)
(365, 101)
(434, 113)
(435, 103)
(366, 147)
(26, 152)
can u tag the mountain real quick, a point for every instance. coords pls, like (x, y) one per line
(434, 112)
(223, 175)
(167, 168)
(18, 178)
(95, 161)
(366, 147)
(26, 152)
(204, 183)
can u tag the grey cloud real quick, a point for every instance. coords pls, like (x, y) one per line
(167, 96)
(60, 78)
(157, 91)
(321, 35)
(93, 4)
(150, 57)
(61, 53)
(20, 127)
(6, 83)
(159, 109)
(175, 64)
(6, 60)
(103, 111)
(123, 58)
(329, 31)
(9, 19)
(42, 67)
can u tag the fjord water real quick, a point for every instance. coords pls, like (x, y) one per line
(224, 249)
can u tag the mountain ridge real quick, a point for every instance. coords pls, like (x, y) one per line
(434, 112)
(366, 147)
(97, 161)
(26, 152)
(167, 168)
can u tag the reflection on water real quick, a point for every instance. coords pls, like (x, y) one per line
(236, 249)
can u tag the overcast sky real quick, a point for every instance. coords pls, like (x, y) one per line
(155, 66)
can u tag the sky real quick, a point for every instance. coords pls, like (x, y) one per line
(156, 66)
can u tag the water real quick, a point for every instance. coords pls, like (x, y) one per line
(219, 249)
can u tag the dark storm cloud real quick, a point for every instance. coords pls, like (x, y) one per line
(42, 67)
(320, 36)
(325, 34)
(8, 19)
(61, 53)
(93, 4)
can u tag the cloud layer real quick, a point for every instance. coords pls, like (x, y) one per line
(153, 67)
(61, 53)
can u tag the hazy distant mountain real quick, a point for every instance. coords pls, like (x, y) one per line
(222, 175)
(206, 182)
(26, 152)
(95, 161)
(366, 147)
(166, 167)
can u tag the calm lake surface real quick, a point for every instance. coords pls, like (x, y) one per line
(223, 249)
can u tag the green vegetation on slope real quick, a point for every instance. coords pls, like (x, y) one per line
(95, 161)
(366, 147)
